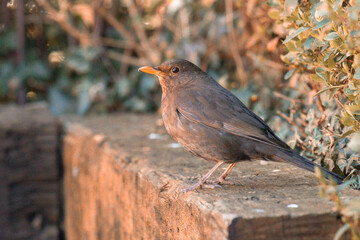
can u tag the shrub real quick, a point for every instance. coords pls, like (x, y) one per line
(323, 47)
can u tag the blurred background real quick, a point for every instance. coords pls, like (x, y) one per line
(83, 56)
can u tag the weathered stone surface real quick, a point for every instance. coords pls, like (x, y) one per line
(29, 173)
(122, 181)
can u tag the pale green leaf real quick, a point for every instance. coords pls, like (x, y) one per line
(321, 24)
(331, 36)
(289, 73)
(317, 78)
(308, 43)
(274, 14)
(337, 4)
(327, 89)
(357, 73)
(290, 6)
(295, 34)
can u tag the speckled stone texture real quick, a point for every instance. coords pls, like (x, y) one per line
(123, 177)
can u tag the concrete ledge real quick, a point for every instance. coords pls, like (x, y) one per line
(123, 175)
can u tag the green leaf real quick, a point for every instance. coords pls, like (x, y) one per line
(317, 78)
(123, 87)
(337, 43)
(354, 143)
(327, 89)
(147, 83)
(337, 4)
(321, 24)
(37, 69)
(331, 62)
(60, 102)
(290, 6)
(355, 33)
(289, 74)
(331, 36)
(308, 43)
(320, 70)
(357, 73)
(136, 104)
(8, 41)
(274, 14)
(295, 34)
(78, 65)
(84, 100)
(290, 46)
(347, 133)
(327, 55)
(346, 183)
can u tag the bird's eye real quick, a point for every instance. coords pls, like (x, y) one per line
(175, 69)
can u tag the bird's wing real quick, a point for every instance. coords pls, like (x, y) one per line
(218, 108)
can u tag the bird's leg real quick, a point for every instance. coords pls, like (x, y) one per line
(221, 179)
(203, 179)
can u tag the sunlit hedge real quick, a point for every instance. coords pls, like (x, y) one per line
(323, 47)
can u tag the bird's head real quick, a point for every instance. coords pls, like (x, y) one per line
(174, 72)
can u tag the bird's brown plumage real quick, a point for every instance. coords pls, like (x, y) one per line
(212, 123)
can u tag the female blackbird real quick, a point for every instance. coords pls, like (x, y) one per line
(211, 123)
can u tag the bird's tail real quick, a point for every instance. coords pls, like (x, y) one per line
(299, 161)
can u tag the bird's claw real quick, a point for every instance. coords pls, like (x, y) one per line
(193, 187)
(199, 186)
(212, 186)
(220, 181)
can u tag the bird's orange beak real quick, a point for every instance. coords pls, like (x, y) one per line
(153, 70)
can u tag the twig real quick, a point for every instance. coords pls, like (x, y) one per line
(232, 39)
(266, 62)
(61, 18)
(125, 66)
(338, 101)
(280, 95)
(109, 67)
(98, 24)
(140, 32)
(115, 23)
(110, 42)
(126, 59)
(292, 122)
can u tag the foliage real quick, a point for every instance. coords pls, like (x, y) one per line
(350, 211)
(94, 49)
(323, 47)
(323, 52)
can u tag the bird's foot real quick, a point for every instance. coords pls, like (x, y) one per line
(221, 181)
(199, 186)
(193, 187)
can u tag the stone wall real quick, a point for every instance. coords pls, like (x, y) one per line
(123, 177)
(122, 180)
(29, 173)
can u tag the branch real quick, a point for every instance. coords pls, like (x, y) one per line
(291, 122)
(61, 18)
(115, 23)
(232, 39)
(140, 32)
(110, 42)
(126, 59)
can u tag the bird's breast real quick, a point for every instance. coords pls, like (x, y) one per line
(170, 118)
